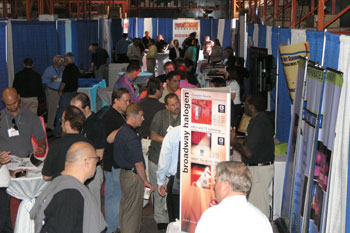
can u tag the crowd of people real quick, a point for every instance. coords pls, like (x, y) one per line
(133, 145)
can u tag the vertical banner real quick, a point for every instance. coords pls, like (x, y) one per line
(183, 27)
(306, 143)
(325, 143)
(205, 141)
(290, 55)
(293, 139)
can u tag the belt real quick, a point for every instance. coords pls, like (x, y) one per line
(130, 169)
(260, 164)
(146, 137)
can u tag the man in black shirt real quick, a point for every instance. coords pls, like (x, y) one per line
(66, 205)
(72, 123)
(93, 130)
(28, 84)
(113, 120)
(257, 151)
(133, 179)
(99, 60)
(68, 88)
(146, 39)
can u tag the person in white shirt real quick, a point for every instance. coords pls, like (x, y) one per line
(233, 213)
(168, 168)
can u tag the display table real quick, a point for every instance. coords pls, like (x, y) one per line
(89, 86)
(26, 189)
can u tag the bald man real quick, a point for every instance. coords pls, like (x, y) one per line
(67, 205)
(18, 125)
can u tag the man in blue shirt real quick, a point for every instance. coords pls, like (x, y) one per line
(51, 80)
(128, 155)
(121, 49)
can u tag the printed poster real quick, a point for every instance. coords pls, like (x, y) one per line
(325, 143)
(290, 55)
(183, 27)
(306, 143)
(292, 144)
(205, 141)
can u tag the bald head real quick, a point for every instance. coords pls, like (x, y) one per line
(78, 151)
(11, 98)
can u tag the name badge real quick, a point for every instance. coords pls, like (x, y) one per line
(13, 132)
(169, 129)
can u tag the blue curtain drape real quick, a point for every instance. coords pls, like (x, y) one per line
(262, 36)
(332, 51)
(165, 27)
(227, 34)
(116, 30)
(214, 28)
(132, 28)
(100, 31)
(140, 27)
(3, 67)
(284, 102)
(205, 29)
(37, 40)
(315, 39)
(61, 30)
(155, 28)
(84, 32)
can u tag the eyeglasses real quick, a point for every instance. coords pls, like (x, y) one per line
(95, 157)
(14, 124)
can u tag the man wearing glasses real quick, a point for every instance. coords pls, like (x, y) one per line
(93, 130)
(66, 205)
(18, 125)
(72, 123)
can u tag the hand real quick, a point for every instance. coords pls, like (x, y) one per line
(13, 173)
(162, 190)
(60, 93)
(54, 79)
(40, 151)
(148, 184)
(233, 135)
(5, 157)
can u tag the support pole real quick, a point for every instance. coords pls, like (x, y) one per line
(4, 8)
(333, 6)
(293, 14)
(28, 10)
(275, 10)
(254, 13)
(265, 11)
(320, 19)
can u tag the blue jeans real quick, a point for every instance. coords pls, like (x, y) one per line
(62, 105)
(113, 194)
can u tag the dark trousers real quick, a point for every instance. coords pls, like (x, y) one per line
(5, 216)
(172, 202)
(122, 58)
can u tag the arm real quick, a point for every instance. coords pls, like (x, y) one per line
(239, 146)
(62, 85)
(5, 158)
(99, 153)
(140, 168)
(156, 137)
(233, 96)
(41, 147)
(111, 136)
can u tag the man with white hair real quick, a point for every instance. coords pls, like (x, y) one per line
(68, 88)
(233, 213)
(66, 204)
(51, 79)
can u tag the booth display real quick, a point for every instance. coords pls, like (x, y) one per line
(89, 87)
(205, 141)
